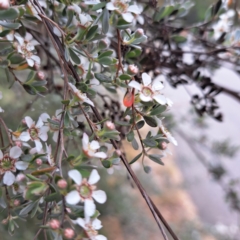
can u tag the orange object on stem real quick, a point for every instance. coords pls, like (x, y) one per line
(128, 99)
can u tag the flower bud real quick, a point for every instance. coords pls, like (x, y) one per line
(4, 4)
(102, 44)
(18, 143)
(16, 202)
(20, 177)
(132, 70)
(39, 161)
(139, 33)
(68, 233)
(54, 224)
(62, 183)
(110, 125)
(41, 75)
(119, 153)
(5, 221)
(163, 146)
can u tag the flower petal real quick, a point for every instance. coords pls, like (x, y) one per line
(145, 98)
(85, 141)
(96, 223)
(44, 117)
(94, 177)
(76, 176)
(36, 59)
(39, 123)
(128, 17)
(110, 6)
(29, 121)
(81, 222)
(100, 237)
(100, 155)
(89, 207)
(8, 178)
(160, 99)
(38, 145)
(100, 196)
(157, 85)
(15, 152)
(73, 197)
(134, 9)
(25, 136)
(1, 155)
(43, 133)
(30, 62)
(55, 136)
(20, 165)
(94, 145)
(146, 79)
(135, 84)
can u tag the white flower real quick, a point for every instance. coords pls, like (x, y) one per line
(85, 191)
(26, 46)
(149, 90)
(53, 127)
(90, 148)
(123, 8)
(9, 164)
(165, 132)
(35, 132)
(90, 228)
(224, 24)
(82, 97)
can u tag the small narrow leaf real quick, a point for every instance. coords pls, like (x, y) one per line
(156, 158)
(136, 158)
(150, 121)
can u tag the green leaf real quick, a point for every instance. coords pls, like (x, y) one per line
(121, 123)
(10, 25)
(122, 24)
(158, 110)
(147, 169)
(164, 12)
(4, 33)
(65, 102)
(130, 136)
(29, 89)
(102, 78)
(53, 197)
(179, 39)
(30, 77)
(156, 158)
(106, 54)
(150, 121)
(66, 54)
(66, 119)
(215, 8)
(140, 124)
(27, 209)
(74, 57)
(31, 177)
(15, 58)
(70, 14)
(105, 61)
(9, 14)
(136, 158)
(125, 77)
(150, 142)
(106, 163)
(135, 144)
(98, 6)
(105, 21)
(91, 32)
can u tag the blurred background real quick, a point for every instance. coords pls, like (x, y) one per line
(187, 189)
